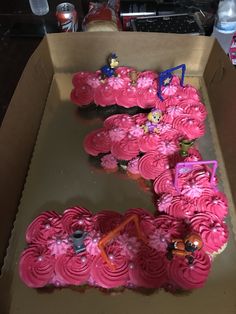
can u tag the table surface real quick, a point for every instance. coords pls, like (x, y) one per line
(15, 50)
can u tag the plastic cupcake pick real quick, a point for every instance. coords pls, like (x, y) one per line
(112, 234)
(165, 78)
(186, 166)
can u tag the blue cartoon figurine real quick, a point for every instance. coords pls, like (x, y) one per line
(154, 117)
(109, 69)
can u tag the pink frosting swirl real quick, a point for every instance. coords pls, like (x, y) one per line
(163, 203)
(181, 207)
(164, 182)
(213, 231)
(191, 128)
(94, 80)
(97, 142)
(195, 183)
(164, 127)
(147, 79)
(129, 245)
(187, 276)
(36, 266)
(193, 155)
(127, 97)
(77, 218)
(116, 82)
(170, 227)
(82, 77)
(214, 202)
(132, 166)
(117, 134)
(169, 90)
(58, 244)
(43, 227)
(105, 276)
(72, 268)
(126, 149)
(151, 165)
(82, 95)
(167, 146)
(122, 121)
(147, 98)
(106, 220)
(91, 242)
(188, 92)
(146, 221)
(104, 95)
(136, 131)
(149, 141)
(173, 111)
(140, 118)
(109, 162)
(196, 110)
(148, 269)
(159, 240)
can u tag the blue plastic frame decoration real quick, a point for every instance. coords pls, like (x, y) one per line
(165, 78)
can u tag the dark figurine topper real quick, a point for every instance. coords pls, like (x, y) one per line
(185, 145)
(109, 69)
(185, 247)
(77, 239)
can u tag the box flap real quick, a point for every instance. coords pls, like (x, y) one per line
(220, 78)
(18, 134)
(85, 51)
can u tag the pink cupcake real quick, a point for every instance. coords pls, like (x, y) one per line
(44, 227)
(148, 269)
(213, 231)
(189, 276)
(109, 162)
(106, 220)
(36, 266)
(72, 268)
(77, 218)
(103, 275)
(214, 202)
(97, 142)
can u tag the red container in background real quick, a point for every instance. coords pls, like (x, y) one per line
(67, 18)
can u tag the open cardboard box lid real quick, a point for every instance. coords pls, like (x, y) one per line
(63, 54)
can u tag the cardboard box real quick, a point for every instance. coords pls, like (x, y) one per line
(43, 166)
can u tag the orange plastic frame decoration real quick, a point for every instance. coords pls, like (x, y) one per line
(112, 234)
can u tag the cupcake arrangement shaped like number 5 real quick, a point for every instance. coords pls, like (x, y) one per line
(172, 249)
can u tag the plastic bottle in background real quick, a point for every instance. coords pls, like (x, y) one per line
(225, 24)
(39, 7)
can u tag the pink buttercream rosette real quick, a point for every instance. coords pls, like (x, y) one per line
(185, 276)
(44, 227)
(106, 277)
(72, 268)
(77, 218)
(97, 142)
(36, 266)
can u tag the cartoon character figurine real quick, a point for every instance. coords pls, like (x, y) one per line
(154, 117)
(109, 69)
(133, 77)
(185, 145)
(185, 247)
(77, 239)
